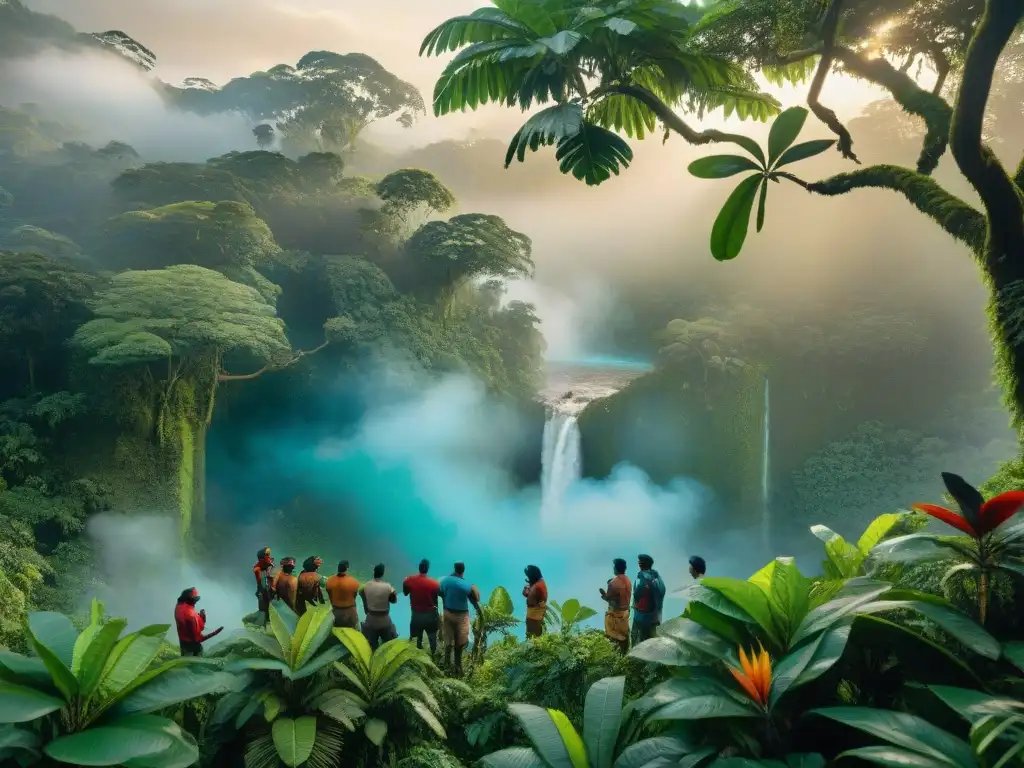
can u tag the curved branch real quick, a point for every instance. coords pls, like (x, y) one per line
(668, 116)
(941, 63)
(956, 217)
(977, 162)
(270, 367)
(830, 27)
(930, 107)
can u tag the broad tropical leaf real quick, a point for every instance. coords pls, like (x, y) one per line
(809, 661)
(544, 734)
(20, 704)
(904, 731)
(692, 699)
(376, 730)
(783, 133)
(804, 150)
(746, 595)
(730, 228)
(761, 204)
(126, 740)
(515, 757)
(650, 751)
(56, 633)
(294, 739)
(602, 715)
(721, 166)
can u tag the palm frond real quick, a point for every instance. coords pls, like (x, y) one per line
(328, 745)
(733, 100)
(622, 114)
(483, 73)
(794, 73)
(481, 26)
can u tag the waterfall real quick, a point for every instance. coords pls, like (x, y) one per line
(560, 459)
(766, 464)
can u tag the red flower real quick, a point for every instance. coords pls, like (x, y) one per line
(992, 514)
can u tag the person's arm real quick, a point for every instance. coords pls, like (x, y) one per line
(405, 586)
(531, 597)
(393, 597)
(362, 594)
(256, 571)
(474, 598)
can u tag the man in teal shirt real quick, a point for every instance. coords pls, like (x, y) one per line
(456, 595)
(648, 597)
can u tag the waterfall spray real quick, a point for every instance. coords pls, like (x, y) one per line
(560, 459)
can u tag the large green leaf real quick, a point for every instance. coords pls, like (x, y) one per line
(56, 633)
(130, 658)
(730, 228)
(318, 662)
(789, 597)
(15, 668)
(602, 715)
(340, 707)
(500, 601)
(895, 757)
(808, 661)
(294, 739)
(482, 25)
(854, 593)
(376, 730)
(544, 734)
(913, 547)
(721, 166)
(878, 529)
(783, 133)
(282, 631)
(693, 699)
(1013, 652)
(905, 731)
(697, 594)
(593, 155)
(123, 741)
(962, 627)
(174, 687)
(265, 642)
(514, 757)
(683, 642)
(974, 706)
(761, 204)
(570, 739)
(427, 716)
(313, 630)
(749, 598)
(804, 150)
(650, 751)
(724, 626)
(61, 675)
(183, 753)
(920, 659)
(358, 647)
(20, 704)
(93, 658)
(547, 127)
(14, 739)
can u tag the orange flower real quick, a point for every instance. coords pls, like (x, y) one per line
(756, 677)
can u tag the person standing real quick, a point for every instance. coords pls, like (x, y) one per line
(648, 596)
(423, 592)
(536, 594)
(190, 624)
(618, 596)
(342, 590)
(264, 577)
(284, 584)
(309, 591)
(698, 567)
(457, 595)
(378, 597)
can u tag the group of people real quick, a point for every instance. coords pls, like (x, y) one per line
(643, 597)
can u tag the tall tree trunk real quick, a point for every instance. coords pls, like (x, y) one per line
(1003, 264)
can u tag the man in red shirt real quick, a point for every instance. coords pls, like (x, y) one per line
(423, 592)
(191, 624)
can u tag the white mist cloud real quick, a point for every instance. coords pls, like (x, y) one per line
(109, 99)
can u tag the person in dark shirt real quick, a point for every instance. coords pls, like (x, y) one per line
(698, 567)
(423, 592)
(648, 596)
(190, 624)
(264, 577)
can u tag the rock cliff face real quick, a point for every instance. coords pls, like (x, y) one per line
(675, 423)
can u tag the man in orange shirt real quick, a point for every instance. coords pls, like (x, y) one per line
(285, 585)
(342, 590)
(536, 594)
(423, 592)
(309, 591)
(618, 596)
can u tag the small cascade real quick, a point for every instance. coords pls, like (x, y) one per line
(560, 459)
(766, 465)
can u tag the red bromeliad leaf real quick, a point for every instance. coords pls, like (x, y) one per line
(999, 509)
(948, 516)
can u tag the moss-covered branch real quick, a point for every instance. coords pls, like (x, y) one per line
(951, 213)
(269, 367)
(977, 162)
(927, 105)
(830, 28)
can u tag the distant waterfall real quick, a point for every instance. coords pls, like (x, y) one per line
(560, 460)
(766, 464)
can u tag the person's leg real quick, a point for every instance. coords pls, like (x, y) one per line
(459, 648)
(415, 631)
(448, 635)
(432, 640)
